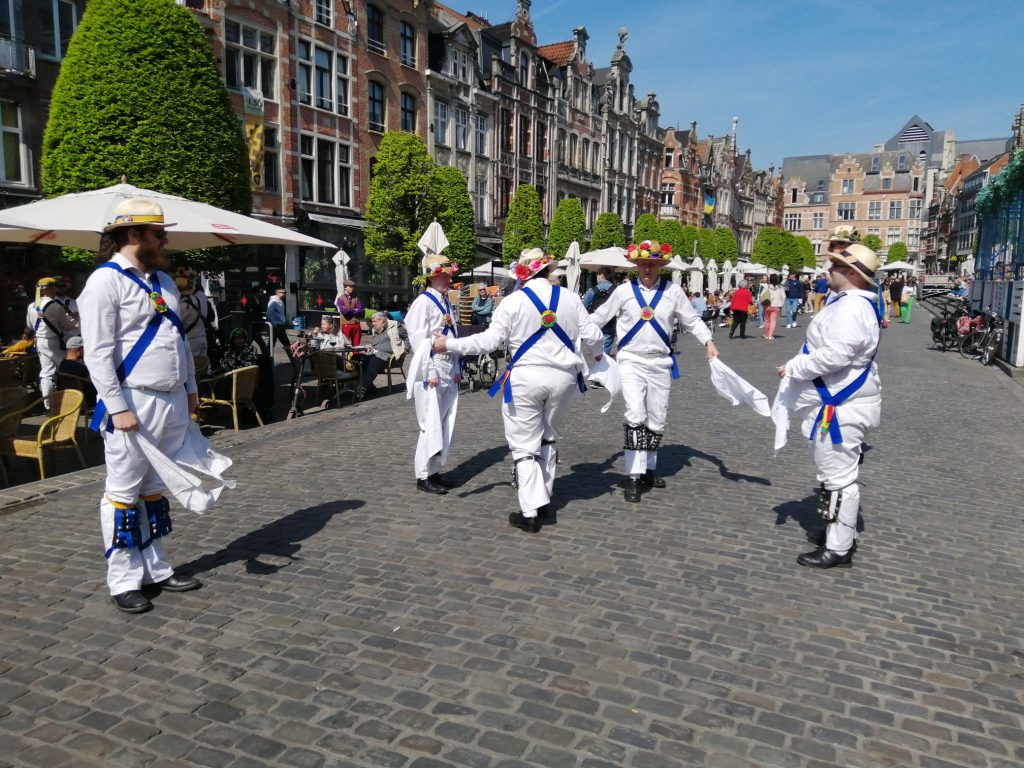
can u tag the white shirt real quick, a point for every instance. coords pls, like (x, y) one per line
(842, 339)
(193, 309)
(115, 312)
(421, 323)
(673, 307)
(55, 312)
(516, 319)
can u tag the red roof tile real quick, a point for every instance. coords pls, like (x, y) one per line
(557, 53)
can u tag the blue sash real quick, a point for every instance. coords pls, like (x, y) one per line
(828, 400)
(652, 321)
(549, 322)
(446, 311)
(139, 348)
(41, 319)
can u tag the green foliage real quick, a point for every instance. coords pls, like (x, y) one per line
(806, 250)
(1008, 184)
(568, 224)
(671, 232)
(608, 231)
(524, 225)
(396, 213)
(897, 252)
(874, 242)
(646, 228)
(448, 201)
(770, 248)
(727, 248)
(686, 246)
(139, 95)
(707, 244)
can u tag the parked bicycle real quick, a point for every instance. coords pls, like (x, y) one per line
(984, 342)
(948, 329)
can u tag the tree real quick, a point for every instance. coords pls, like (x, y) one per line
(646, 228)
(568, 224)
(806, 249)
(874, 242)
(707, 244)
(448, 201)
(671, 232)
(524, 225)
(396, 213)
(608, 231)
(897, 252)
(770, 248)
(725, 239)
(689, 238)
(139, 95)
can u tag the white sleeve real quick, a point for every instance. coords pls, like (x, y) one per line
(99, 304)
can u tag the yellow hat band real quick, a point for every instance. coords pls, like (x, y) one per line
(139, 219)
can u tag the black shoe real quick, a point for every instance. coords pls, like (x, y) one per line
(649, 481)
(818, 540)
(528, 524)
(174, 583)
(547, 515)
(429, 487)
(436, 479)
(633, 491)
(823, 557)
(132, 601)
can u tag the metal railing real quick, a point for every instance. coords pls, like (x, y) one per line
(17, 56)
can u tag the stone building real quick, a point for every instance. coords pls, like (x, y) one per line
(682, 197)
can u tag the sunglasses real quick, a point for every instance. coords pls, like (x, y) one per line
(161, 234)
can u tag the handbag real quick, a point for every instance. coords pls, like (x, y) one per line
(752, 309)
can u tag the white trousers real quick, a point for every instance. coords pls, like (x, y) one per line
(646, 383)
(435, 415)
(50, 357)
(164, 418)
(541, 400)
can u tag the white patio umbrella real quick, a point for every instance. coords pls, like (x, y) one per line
(747, 268)
(898, 266)
(341, 260)
(486, 271)
(677, 266)
(696, 275)
(76, 220)
(712, 276)
(728, 275)
(571, 264)
(433, 239)
(613, 257)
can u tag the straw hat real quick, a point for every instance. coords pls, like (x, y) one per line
(137, 211)
(531, 261)
(438, 264)
(649, 252)
(860, 258)
(47, 282)
(844, 233)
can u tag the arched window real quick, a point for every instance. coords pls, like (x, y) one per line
(375, 29)
(377, 105)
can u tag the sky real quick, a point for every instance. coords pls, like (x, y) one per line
(805, 77)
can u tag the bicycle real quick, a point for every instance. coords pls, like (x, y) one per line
(480, 371)
(946, 331)
(983, 342)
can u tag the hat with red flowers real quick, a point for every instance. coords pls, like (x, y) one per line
(649, 251)
(531, 261)
(437, 264)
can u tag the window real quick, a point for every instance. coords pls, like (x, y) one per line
(249, 58)
(480, 201)
(481, 134)
(524, 69)
(914, 210)
(441, 122)
(818, 221)
(917, 184)
(585, 154)
(874, 231)
(304, 79)
(541, 143)
(876, 164)
(892, 236)
(668, 194)
(325, 174)
(846, 211)
(847, 186)
(792, 195)
(524, 135)
(58, 20)
(887, 182)
(820, 185)
(458, 65)
(407, 49)
(461, 128)
(375, 29)
(913, 238)
(342, 83)
(792, 222)
(506, 129)
(12, 148)
(895, 209)
(901, 163)
(874, 210)
(573, 148)
(375, 98)
(270, 159)
(408, 113)
(668, 158)
(818, 197)
(323, 12)
(323, 78)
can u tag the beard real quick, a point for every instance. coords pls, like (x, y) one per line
(152, 258)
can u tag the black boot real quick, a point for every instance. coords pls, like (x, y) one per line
(649, 481)
(818, 540)
(823, 557)
(436, 479)
(132, 601)
(547, 515)
(528, 524)
(429, 487)
(633, 490)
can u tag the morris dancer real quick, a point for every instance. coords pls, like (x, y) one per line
(52, 324)
(543, 325)
(437, 395)
(835, 388)
(646, 311)
(142, 369)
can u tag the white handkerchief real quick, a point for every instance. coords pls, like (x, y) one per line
(417, 368)
(780, 414)
(736, 389)
(606, 373)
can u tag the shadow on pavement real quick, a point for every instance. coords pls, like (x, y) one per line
(477, 464)
(673, 458)
(804, 511)
(281, 538)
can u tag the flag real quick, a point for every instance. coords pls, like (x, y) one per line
(709, 204)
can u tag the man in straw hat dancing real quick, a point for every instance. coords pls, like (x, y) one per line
(53, 324)
(543, 324)
(646, 310)
(434, 378)
(141, 366)
(835, 388)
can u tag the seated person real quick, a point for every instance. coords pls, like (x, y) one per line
(240, 352)
(326, 338)
(74, 365)
(483, 307)
(387, 338)
(22, 347)
(699, 303)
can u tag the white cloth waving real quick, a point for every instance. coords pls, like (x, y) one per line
(736, 389)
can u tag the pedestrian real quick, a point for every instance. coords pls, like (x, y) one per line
(772, 298)
(437, 396)
(143, 371)
(739, 307)
(544, 325)
(278, 322)
(482, 308)
(350, 307)
(51, 323)
(820, 291)
(794, 298)
(896, 295)
(196, 313)
(646, 310)
(596, 296)
(63, 285)
(835, 389)
(907, 299)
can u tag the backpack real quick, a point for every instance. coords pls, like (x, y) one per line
(600, 297)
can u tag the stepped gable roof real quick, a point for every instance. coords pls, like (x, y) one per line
(810, 169)
(474, 21)
(559, 54)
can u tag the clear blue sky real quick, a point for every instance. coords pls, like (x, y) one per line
(805, 76)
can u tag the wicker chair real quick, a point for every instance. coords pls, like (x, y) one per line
(58, 431)
(325, 368)
(243, 384)
(202, 364)
(71, 381)
(396, 364)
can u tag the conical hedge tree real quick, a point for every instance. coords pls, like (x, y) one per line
(568, 224)
(646, 228)
(608, 231)
(524, 225)
(139, 95)
(448, 201)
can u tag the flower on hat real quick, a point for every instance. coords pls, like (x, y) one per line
(530, 263)
(649, 249)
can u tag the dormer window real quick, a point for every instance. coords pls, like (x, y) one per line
(876, 164)
(901, 163)
(524, 69)
(820, 185)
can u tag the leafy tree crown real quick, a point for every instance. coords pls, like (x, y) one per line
(646, 228)
(448, 201)
(608, 232)
(396, 209)
(524, 225)
(568, 224)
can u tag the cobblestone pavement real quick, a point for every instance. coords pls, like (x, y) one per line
(347, 620)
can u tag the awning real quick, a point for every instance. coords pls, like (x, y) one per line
(338, 221)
